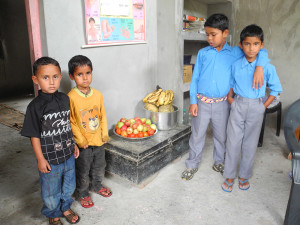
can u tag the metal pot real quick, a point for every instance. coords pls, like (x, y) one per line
(163, 120)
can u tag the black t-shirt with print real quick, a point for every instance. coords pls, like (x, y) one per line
(48, 118)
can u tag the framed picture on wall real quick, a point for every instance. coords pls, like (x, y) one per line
(115, 22)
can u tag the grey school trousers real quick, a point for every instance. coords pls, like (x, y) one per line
(243, 129)
(217, 113)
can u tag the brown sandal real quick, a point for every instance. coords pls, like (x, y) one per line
(55, 222)
(70, 217)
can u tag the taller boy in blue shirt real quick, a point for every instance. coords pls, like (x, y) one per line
(247, 108)
(208, 93)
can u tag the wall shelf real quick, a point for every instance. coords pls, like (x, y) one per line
(193, 36)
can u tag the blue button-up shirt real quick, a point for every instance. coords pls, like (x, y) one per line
(212, 71)
(242, 76)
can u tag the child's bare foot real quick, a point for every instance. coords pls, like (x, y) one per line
(55, 221)
(244, 184)
(71, 216)
(86, 202)
(227, 185)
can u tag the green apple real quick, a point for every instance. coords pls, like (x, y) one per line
(135, 131)
(148, 121)
(120, 124)
(140, 127)
(143, 120)
(145, 129)
(153, 126)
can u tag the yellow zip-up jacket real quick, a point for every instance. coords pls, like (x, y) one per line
(88, 118)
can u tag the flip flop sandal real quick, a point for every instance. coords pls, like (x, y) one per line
(242, 186)
(229, 186)
(70, 216)
(188, 174)
(104, 190)
(219, 168)
(86, 199)
(55, 222)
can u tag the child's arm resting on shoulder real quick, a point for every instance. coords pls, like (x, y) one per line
(43, 164)
(258, 76)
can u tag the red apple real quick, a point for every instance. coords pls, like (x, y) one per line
(143, 120)
(129, 130)
(118, 131)
(132, 135)
(138, 121)
(140, 135)
(127, 123)
(150, 132)
(135, 125)
(124, 133)
(124, 127)
(123, 120)
(137, 118)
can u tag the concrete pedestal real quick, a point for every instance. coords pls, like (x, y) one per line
(138, 160)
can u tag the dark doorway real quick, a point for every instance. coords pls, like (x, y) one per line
(15, 63)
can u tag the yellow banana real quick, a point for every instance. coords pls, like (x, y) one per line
(161, 98)
(147, 96)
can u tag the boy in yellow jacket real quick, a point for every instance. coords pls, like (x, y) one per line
(89, 126)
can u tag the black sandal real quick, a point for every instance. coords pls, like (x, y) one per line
(55, 222)
(70, 216)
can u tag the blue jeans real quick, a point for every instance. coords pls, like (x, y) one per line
(57, 188)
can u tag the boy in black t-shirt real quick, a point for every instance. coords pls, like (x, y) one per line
(47, 123)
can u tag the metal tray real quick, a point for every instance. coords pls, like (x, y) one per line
(134, 139)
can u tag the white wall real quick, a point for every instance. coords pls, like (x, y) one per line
(124, 74)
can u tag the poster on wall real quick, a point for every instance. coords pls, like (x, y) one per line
(115, 21)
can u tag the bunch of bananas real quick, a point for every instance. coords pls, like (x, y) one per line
(159, 97)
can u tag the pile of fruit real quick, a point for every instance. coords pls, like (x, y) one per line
(135, 128)
(159, 101)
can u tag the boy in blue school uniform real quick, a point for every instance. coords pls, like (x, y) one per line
(247, 108)
(208, 92)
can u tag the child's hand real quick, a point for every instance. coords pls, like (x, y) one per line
(258, 77)
(44, 166)
(85, 146)
(194, 109)
(76, 152)
(230, 100)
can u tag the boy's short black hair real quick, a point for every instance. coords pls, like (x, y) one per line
(252, 31)
(43, 61)
(79, 60)
(218, 21)
(91, 19)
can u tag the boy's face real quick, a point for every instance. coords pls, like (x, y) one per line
(215, 37)
(251, 46)
(82, 77)
(48, 77)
